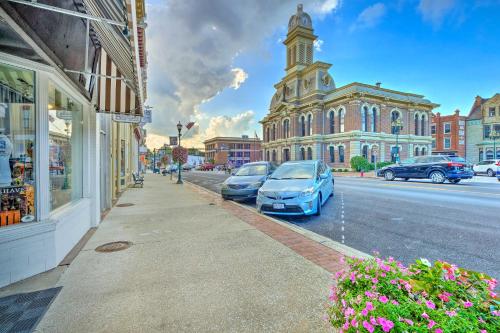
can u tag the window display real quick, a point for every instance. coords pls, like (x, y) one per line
(65, 148)
(17, 142)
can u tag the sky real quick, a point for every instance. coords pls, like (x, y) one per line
(215, 62)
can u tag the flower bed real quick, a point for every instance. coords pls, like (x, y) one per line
(375, 295)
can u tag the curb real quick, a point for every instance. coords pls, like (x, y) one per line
(341, 248)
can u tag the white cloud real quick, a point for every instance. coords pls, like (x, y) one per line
(370, 17)
(317, 44)
(192, 46)
(239, 77)
(434, 11)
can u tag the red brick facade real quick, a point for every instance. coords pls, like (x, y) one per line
(448, 134)
(222, 150)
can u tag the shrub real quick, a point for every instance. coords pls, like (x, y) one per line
(374, 295)
(359, 163)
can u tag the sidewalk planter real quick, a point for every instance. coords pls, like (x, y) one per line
(378, 295)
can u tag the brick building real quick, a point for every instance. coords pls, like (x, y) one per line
(310, 118)
(234, 150)
(448, 134)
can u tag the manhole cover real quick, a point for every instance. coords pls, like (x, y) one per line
(114, 246)
(125, 204)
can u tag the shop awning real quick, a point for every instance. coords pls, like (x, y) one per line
(114, 94)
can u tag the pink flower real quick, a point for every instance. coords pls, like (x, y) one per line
(353, 277)
(425, 315)
(438, 330)
(409, 322)
(375, 280)
(431, 324)
(386, 324)
(445, 297)
(395, 302)
(483, 331)
(364, 312)
(496, 313)
(369, 306)
(354, 323)
(373, 321)
(369, 294)
(468, 304)
(346, 325)
(393, 282)
(369, 327)
(452, 313)
(349, 312)
(383, 299)
(493, 295)
(430, 304)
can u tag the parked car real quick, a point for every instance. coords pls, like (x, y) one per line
(498, 173)
(487, 167)
(169, 169)
(207, 167)
(296, 188)
(438, 168)
(187, 167)
(246, 181)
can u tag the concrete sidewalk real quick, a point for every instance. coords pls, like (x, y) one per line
(193, 267)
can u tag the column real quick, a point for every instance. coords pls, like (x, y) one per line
(382, 152)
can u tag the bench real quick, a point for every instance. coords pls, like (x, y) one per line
(137, 179)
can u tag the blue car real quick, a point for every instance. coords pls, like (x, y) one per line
(437, 168)
(296, 188)
(498, 174)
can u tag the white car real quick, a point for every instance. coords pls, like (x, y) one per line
(488, 167)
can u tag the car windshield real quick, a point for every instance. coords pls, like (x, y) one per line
(294, 171)
(408, 161)
(252, 170)
(457, 159)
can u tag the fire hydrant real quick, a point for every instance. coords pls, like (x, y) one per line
(362, 172)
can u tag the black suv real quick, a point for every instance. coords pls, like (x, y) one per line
(438, 168)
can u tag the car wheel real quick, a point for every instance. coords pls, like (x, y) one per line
(437, 177)
(490, 173)
(455, 181)
(318, 209)
(406, 179)
(389, 175)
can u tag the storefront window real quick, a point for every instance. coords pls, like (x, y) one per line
(17, 145)
(65, 148)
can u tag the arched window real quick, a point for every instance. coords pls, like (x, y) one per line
(341, 154)
(274, 132)
(286, 129)
(423, 152)
(302, 153)
(302, 126)
(274, 155)
(286, 154)
(331, 115)
(365, 151)
(267, 134)
(332, 154)
(416, 125)
(374, 119)
(417, 151)
(422, 126)
(267, 156)
(341, 120)
(489, 154)
(309, 124)
(394, 116)
(309, 153)
(364, 119)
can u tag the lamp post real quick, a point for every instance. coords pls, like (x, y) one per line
(179, 178)
(154, 160)
(494, 135)
(398, 126)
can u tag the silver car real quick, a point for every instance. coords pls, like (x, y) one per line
(296, 188)
(246, 181)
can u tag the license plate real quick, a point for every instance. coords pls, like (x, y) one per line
(278, 206)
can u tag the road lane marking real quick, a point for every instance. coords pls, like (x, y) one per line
(441, 189)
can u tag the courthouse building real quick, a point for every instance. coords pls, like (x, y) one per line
(311, 118)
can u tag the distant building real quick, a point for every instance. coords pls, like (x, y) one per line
(448, 134)
(310, 118)
(234, 150)
(483, 119)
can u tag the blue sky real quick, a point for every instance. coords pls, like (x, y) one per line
(446, 50)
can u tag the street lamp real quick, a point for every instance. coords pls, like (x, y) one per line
(494, 135)
(398, 125)
(154, 160)
(179, 177)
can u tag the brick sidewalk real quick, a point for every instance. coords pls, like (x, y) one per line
(321, 255)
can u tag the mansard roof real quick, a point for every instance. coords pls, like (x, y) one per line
(361, 88)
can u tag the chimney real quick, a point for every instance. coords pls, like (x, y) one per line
(457, 112)
(378, 84)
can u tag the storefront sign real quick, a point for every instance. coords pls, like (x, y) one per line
(173, 141)
(126, 118)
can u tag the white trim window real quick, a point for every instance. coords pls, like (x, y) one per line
(447, 128)
(446, 143)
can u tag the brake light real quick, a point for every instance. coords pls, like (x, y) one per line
(452, 164)
(498, 163)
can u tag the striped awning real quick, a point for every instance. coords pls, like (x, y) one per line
(114, 94)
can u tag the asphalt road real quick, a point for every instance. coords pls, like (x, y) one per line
(407, 220)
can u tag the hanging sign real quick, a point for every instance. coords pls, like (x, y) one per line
(126, 118)
(173, 141)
